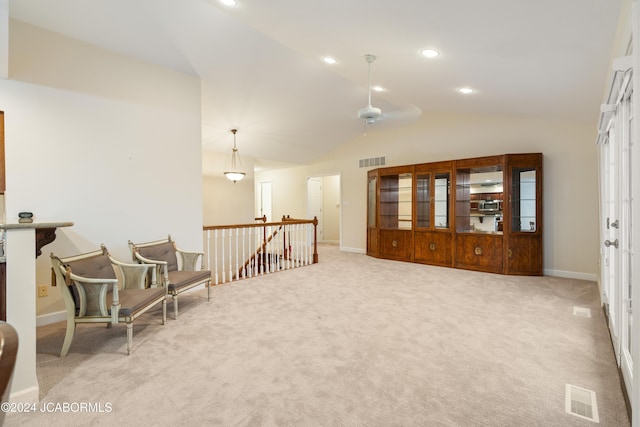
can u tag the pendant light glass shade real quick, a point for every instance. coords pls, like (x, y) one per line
(234, 169)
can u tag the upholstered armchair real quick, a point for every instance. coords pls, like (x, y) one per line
(178, 268)
(93, 293)
(8, 353)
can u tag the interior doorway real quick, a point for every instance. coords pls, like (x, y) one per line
(323, 202)
(264, 202)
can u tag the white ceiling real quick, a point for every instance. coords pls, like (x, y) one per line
(261, 69)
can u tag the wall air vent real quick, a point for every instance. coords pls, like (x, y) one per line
(373, 161)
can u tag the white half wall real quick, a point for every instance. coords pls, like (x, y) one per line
(108, 142)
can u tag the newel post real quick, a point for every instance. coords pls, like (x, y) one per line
(315, 239)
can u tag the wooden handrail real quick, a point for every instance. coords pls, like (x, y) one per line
(288, 221)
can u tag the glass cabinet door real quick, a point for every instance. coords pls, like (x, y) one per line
(395, 201)
(432, 199)
(423, 200)
(372, 201)
(523, 199)
(441, 191)
(479, 200)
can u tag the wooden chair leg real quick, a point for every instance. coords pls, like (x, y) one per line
(164, 311)
(175, 307)
(129, 336)
(71, 328)
(208, 291)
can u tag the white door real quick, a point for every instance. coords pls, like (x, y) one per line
(609, 235)
(265, 200)
(625, 254)
(616, 227)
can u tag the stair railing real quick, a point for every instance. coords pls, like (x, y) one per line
(238, 251)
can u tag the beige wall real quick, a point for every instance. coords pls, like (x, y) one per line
(570, 175)
(223, 201)
(91, 138)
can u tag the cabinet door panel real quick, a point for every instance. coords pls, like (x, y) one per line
(524, 255)
(372, 241)
(396, 244)
(433, 248)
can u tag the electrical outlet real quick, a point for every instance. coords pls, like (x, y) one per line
(43, 291)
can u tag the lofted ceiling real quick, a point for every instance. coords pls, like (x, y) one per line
(261, 67)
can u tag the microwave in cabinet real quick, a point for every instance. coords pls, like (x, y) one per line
(488, 206)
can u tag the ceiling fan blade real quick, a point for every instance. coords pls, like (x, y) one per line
(407, 113)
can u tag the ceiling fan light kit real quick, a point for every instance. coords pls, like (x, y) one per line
(370, 114)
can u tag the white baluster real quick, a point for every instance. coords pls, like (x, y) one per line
(215, 255)
(244, 257)
(230, 257)
(237, 247)
(310, 244)
(222, 266)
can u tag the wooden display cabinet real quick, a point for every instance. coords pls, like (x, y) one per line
(433, 207)
(392, 236)
(479, 242)
(481, 214)
(523, 245)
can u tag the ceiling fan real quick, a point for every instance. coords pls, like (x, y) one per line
(370, 114)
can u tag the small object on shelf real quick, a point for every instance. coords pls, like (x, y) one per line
(25, 217)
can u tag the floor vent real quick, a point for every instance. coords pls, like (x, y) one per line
(374, 161)
(581, 403)
(581, 311)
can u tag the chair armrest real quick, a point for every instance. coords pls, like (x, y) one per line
(149, 261)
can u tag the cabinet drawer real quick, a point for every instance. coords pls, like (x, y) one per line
(396, 244)
(479, 252)
(433, 248)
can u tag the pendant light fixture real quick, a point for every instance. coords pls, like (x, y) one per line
(235, 172)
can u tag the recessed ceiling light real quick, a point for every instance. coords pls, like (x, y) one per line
(229, 2)
(465, 90)
(329, 60)
(430, 53)
(377, 88)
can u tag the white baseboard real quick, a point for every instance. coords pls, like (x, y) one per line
(354, 250)
(571, 275)
(47, 319)
(28, 395)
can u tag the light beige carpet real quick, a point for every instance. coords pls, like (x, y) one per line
(351, 341)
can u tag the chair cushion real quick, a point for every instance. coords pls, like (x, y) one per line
(161, 252)
(134, 300)
(182, 280)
